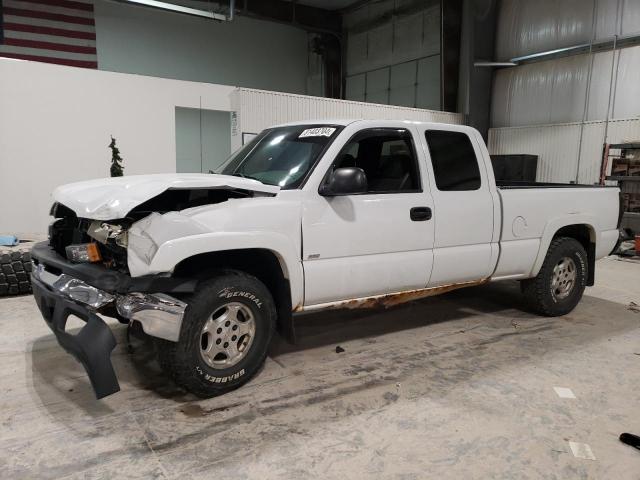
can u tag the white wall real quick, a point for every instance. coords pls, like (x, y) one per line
(245, 52)
(55, 124)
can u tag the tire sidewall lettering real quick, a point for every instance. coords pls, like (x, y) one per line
(230, 292)
(184, 361)
(214, 379)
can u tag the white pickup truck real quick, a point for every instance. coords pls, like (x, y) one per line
(307, 216)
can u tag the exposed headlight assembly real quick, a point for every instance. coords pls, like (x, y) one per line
(102, 232)
(83, 253)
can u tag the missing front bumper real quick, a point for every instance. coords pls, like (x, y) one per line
(91, 346)
(159, 315)
(59, 295)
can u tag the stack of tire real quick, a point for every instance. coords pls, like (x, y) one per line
(15, 268)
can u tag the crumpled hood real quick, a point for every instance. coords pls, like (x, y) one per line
(111, 198)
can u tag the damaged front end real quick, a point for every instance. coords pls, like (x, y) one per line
(110, 238)
(86, 290)
(127, 243)
(124, 248)
(103, 286)
(59, 296)
(122, 222)
(62, 289)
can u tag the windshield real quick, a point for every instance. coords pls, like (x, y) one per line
(281, 156)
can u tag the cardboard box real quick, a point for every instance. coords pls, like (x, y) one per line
(620, 169)
(634, 169)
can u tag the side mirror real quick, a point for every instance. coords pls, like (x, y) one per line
(344, 181)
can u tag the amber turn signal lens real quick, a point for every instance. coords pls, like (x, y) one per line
(93, 252)
(83, 253)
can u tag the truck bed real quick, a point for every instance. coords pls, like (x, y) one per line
(532, 212)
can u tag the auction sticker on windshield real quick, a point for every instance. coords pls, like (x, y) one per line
(317, 132)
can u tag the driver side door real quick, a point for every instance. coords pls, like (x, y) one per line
(370, 243)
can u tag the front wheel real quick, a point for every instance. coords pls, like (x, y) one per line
(559, 285)
(224, 336)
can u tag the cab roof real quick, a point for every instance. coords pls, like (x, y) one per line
(344, 122)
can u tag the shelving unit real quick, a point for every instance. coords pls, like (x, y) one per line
(629, 155)
(625, 178)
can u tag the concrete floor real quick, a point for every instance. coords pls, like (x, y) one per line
(459, 386)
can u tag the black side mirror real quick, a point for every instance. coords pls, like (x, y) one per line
(344, 181)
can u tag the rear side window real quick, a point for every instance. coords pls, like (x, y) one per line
(455, 165)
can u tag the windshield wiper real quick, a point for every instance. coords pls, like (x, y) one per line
(244, 175)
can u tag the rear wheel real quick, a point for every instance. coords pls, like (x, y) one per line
(559, 285)
(224, 336)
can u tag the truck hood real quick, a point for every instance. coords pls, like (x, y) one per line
(112, 198)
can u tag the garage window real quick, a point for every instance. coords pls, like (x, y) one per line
(454, 161)
(386, 156)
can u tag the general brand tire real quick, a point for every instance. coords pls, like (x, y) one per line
(184, 361)
(566, 258)
(15, 267)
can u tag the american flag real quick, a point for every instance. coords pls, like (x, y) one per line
(51, 31)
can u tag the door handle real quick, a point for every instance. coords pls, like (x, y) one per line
(420, 214)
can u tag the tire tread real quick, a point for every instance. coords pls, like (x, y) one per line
(175, 361)
(15, 267)
(534, 289)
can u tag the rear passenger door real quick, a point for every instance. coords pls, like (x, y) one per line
(464, 245)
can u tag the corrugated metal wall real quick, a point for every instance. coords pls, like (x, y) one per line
(554, 91)
(256, 110)
(526, 26)
(558, 109)
(559, 146)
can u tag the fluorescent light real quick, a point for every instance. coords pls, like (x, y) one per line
(178, 8)
(494, 64)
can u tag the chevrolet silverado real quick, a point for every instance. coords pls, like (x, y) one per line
(307, 216)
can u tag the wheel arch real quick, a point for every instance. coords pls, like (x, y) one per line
(583, 232)
(264, 264)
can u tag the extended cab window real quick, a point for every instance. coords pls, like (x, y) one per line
(455, 165)
(386, 156)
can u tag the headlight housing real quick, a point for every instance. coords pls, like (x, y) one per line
(83, 253)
